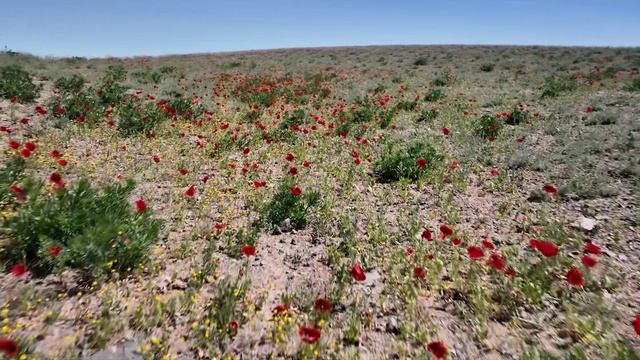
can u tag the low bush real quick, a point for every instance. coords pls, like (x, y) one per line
(427, 115)
(488, 126)
(139, 118)
(288, 203)
(406, 161)
(16, 82)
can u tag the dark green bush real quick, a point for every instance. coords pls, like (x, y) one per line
(14, 81)
(516, 117)
(634, 85)
(488, 126)
(69, 85)
(284, 205)
(96, 230)
(434, 95)
(427, 115)
(487, 67)
(9, 175)
(554, 86)
(420, 62)
(399, 160)
(137, 117)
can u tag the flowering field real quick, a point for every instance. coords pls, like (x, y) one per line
(439, 202)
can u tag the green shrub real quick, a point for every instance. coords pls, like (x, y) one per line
(96, 230)
(9, 175)
(407, 105)
(434, 95)
(488, 126)
(443, 79)
(427, 115)
(516, 117)
(110, 90)
(420, 62)
(554, 86)
(136, 117)
(78, 107)
(634, 85)
(400, 160)
(285, 205)
(14, 81)
(487, 67)
(70, 85)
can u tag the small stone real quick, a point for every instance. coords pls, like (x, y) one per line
(586, 224)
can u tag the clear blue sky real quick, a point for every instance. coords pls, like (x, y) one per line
(145, 27)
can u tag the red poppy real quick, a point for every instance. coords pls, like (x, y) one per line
(306, 163)
(191, 191)
(357, 273)
(322, 305)
(588, 261)
(520, 139)
(18, 269)
(574, 277)
(25, 152)
(409, 251)
(589, 109)
(16, 189)
(8, 347)
(418, 272)
(245, 151)
(62, 162)
(295, 191)
(488, 244)
(30, 146)
(309, 334)
(636, 324)
(456, 241)
(494, 172)
(496, 261)
(544, 247)
(156, 159)
(293, 171)
(421, 163)
(54, 250)
(445, 131)
(592, 248)
(141, 206)
(183, 171)
(259, 183)
(290, 157)
(438, 349)
(550, 189)
(454, 165)
(14, 144)
(55, 178)
(248, 250)
(280, 309)
(55, 154)
(233, 326)
(475, 252)
(427, 235)
(40, 110)
(445, 231)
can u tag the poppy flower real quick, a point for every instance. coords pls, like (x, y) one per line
(290, 157)
(546, 248)
(306, 163)
(18, 269)
(574, 277)
(456, 241)
(636, 324)
(427, 235)
(520, 139)
(322, 306)
(259, 184)
(245, 151)
(8, 347)
(438, 349)
(55, 178)
(494, 172)
(550, 189)
(293, 171)
(488, 244)
(191, 191)
(592, 248)
(40, 110)
(233, 326)
(309, 334)
(421, 163)
(55, 154)
(475, 252)
(155, 158)
(14, 144)
(588, 261)
(445, 231)
(141, 206)
(357, 161)
(54, 250)
(589, 109)
(454, 165)
(183, 171)
(445, 131)
(25, 153)
(248, 250)
(280, 309)
(418, 272)
(62, 162)
(357, 273)
(295, 191)
(496, 261)
(30, 146)
(409, 251)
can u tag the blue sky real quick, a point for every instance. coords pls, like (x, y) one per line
(144, 27)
